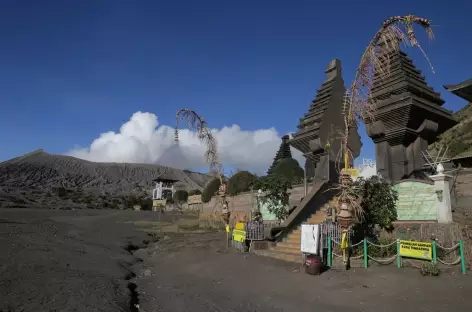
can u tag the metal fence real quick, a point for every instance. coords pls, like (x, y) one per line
(254, 230)
(333, 230)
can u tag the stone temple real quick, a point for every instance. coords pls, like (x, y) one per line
(408, 117)
(322, 124)
(463, 89)
(282, 153)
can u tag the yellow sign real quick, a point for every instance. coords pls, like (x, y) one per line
(194, 199)
(158, 202)
(227, 228)
(418, 250)
(239, 236)
(239, 226)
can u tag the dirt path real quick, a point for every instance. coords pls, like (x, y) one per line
(66, 260)
(77, 261)
(196, 273)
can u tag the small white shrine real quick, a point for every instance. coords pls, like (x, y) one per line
(163, 188)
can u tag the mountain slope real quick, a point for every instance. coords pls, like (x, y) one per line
(459, 138)
(40, 178)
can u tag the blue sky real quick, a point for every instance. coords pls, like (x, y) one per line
(70, 70)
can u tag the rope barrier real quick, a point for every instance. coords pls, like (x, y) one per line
(398, 255)
(382, 246)
(383, 260)
(361, 242)
(446, 248)
(357, 257)
(452, 263)
(334, 241)
(337, 255)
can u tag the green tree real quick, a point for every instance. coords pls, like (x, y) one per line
(378, 199)
(275, 190)
(240, 182)
(180, 196)
(194, 192)
(169, 199)
(289, 169)
(210, 190)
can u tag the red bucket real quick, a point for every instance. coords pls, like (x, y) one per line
(313, 265)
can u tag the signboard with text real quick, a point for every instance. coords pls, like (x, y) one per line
(194, 199)
(239, 236)
(158, 202)
(417, 250)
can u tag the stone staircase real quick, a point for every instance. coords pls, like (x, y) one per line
(289, 248)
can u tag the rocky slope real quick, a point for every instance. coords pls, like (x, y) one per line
(459, 138)
(39, 179)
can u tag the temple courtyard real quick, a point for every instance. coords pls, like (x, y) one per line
(93, 260)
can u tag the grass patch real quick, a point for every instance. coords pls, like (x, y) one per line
(189, 224)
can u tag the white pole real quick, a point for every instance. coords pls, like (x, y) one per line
(304, 180)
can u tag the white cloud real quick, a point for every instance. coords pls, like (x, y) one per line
(143, 140)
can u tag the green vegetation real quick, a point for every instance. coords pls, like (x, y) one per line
(180, 196)
(194, 192)
(275, 190)
(240, 182)
(210, 190)
(169, 199)
(459, 138)
(378, 200)
(289, 169)
(61, 192)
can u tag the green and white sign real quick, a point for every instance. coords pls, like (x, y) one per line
(416, 201)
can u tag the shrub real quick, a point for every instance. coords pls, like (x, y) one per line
(257, 183)
(210, 190)
(146, 204)
(378, 202)
(194, 192)
(430, 269)
(169, 199)
(240, 182)
(289, 169)
(275, 190)
(180, 196)
(61, 192)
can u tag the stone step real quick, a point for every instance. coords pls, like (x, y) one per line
(276, 254)
(294, 235)
(288, 246)
(293, 240)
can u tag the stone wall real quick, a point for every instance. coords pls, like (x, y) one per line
(243, 204)
(247, 201)
(462, 196)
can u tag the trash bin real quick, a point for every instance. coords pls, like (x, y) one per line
(313, 265)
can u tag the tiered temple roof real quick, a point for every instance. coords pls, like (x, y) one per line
(282, 153)
(314, 124)
(408, 116)
(322, 123)
(463, 89)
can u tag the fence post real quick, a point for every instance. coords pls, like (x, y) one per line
(399, 258)
(329, 251)
(366, 258)
(435, 257)
(461, 250)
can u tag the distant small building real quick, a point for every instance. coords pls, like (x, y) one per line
(163, 187)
